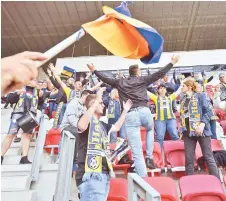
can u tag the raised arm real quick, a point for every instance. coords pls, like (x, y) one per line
(57, 77)
(159, 74)
(107, 80)
(96, 86)
(84, 121)
(126, 107)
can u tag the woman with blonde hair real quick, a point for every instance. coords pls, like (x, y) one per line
(195, 118)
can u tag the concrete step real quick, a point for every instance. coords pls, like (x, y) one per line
(18, 144)
(15, 183)
(19, 196)
(13, 151)
(11, 160)
(15, 170)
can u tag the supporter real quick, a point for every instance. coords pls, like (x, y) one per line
(213, 117)
(94, 165)
(165, 118)
(195, 118)
(18, 70)
(114, 111)
(53, 100)
(43, 95)
(222, 78)
(75, 109)
(12, 98)
(217, 100)
(28, 102)
(135, 88)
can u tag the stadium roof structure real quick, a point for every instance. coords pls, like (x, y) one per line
(38, 26)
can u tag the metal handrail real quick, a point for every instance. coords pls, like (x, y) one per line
(140, 189)
(36, 163)
(62, 190)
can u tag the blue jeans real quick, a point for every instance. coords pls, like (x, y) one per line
(138, 117)
(162, 125)
(213, 126)
(52, 108)
(95, 187)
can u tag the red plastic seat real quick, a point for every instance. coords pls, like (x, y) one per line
(165, 186)
(215, 145)
(220, 113)
(174, 153)
(124, 167)
(201, 188)
(53, 138)
(223, 125)
(118, 190)
(157, 154)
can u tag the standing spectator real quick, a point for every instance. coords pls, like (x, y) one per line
(94, 164)
(114, 111)
(28, 102)
(222, 78)
(135, 88)
(213, 117)
(217, 99)
(195, 118)
(165, 118)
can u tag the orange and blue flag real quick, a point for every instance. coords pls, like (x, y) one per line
(125, 36)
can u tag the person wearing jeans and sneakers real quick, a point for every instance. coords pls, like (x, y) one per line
(135, 88)
(165, 118)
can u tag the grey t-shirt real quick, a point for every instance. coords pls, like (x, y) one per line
(75, 109)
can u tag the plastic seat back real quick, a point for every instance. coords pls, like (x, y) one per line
(165, 186)
(201, 188)
(174, 153)
(118, 190)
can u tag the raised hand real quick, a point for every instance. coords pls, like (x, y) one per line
(91, 67)
(51, 67)
(100, 93)
(175, 59)
(127, 105)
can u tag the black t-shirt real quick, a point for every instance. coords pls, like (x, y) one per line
(82, 139)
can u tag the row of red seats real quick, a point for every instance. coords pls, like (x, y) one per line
(192, 188)
(174, 154)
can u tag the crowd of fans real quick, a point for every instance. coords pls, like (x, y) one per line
(79, 106)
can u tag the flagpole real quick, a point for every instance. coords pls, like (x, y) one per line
(61, 46)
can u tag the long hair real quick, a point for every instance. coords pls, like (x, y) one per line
(190, 83)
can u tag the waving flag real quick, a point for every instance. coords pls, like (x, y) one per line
(125, 36)
(67, 71)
